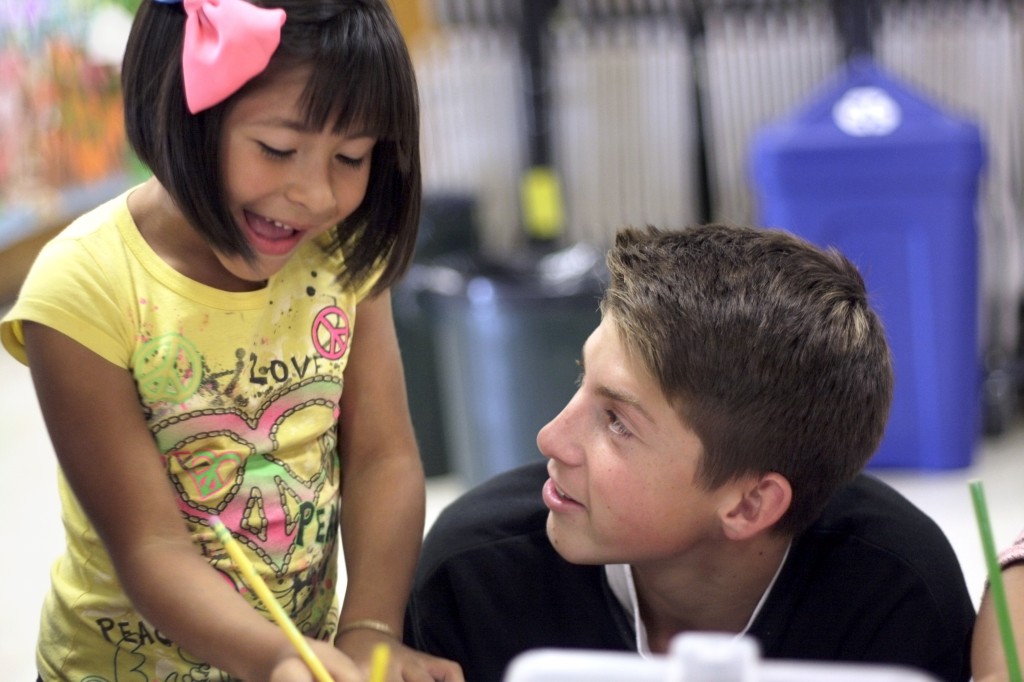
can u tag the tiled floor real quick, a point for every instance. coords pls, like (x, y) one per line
(31, 534)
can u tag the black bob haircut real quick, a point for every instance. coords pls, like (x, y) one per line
(361, 77)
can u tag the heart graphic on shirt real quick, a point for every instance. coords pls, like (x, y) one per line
(210, 471)
(224, 462)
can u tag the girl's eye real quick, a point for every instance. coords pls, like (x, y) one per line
(616, 425)
(350, 162)
(273, 153)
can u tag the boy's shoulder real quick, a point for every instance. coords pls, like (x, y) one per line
(873, 579)
(872, 510)
(869, 531)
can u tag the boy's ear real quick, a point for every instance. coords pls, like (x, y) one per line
(758, 505)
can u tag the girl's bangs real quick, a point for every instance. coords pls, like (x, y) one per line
(358, 89)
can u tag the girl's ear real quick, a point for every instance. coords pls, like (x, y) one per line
(758, 505)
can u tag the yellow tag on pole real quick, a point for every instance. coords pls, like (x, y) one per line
(542, 203)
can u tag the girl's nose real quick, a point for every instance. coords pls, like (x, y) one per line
(312, 188)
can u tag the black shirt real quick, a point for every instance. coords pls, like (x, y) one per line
(873, 580)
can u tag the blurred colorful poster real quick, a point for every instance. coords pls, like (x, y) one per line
(60, 102)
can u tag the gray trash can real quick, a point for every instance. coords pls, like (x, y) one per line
(447, 226)
(508, 333)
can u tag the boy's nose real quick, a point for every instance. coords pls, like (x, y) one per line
(544, 438)
(554, 439)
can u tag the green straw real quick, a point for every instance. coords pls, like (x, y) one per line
(995, 582)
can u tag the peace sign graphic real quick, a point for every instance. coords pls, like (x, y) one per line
(331, 332)
(167, 368)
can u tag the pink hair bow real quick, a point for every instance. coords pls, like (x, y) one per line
(227, 42)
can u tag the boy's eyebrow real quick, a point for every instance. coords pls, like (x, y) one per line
(625, 399)
(611, 393)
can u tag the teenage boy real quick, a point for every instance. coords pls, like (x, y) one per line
(706, 476)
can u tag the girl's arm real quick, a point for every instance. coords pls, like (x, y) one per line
(109, 459)
(988, 662)
(382, 496)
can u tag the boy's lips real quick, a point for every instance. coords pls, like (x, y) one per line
(557, 499)
(563, 495)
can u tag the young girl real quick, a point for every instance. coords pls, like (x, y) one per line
(988, 657)
(218, 342)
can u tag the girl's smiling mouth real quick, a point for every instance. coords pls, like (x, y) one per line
(270, 237)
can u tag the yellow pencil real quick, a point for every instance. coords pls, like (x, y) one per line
(257, 585)
(379, 663)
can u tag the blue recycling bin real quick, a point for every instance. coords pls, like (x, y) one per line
(891, 180)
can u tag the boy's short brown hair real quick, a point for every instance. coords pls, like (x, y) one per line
(768, 347)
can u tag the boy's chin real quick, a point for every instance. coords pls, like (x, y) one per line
(571, 546)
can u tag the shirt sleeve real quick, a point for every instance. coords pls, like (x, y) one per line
(68, 290)
(1013, 554)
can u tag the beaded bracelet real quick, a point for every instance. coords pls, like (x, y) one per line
(367, 624)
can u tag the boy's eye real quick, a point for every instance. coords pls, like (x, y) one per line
(273, 152)
(616, 425)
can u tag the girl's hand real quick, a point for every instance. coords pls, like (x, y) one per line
(291, 668)
(404, 664)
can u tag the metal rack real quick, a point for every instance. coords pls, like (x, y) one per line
(646, 108)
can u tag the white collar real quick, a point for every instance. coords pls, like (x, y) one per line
(620, 579)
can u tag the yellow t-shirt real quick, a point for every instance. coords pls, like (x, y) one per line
(241, 393)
